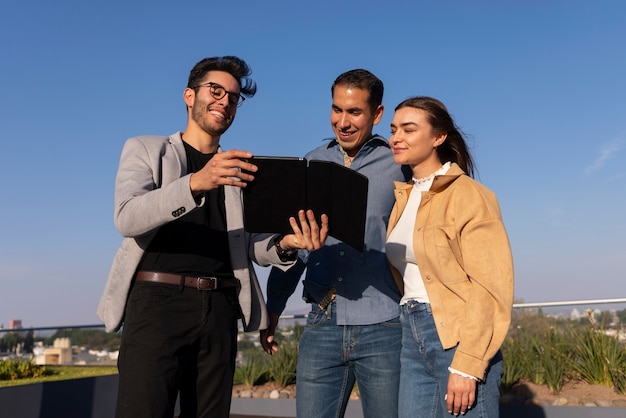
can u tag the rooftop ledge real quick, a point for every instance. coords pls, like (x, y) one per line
(95, 397)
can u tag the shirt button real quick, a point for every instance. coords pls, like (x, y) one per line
(427, 277)
(419, 229)
(340, 279)
(341, 253)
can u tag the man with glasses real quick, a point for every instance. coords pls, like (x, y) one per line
(183, 274)
(353, 331)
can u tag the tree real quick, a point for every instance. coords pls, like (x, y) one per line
(29, 342)
(10, 341)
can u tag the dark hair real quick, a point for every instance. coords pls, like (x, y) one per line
(233, 65)
(454, 148)
(365, 80)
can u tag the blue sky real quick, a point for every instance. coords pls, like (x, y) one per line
(538, 86)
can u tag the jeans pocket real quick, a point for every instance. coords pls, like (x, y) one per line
(315, 317)
(392, 323)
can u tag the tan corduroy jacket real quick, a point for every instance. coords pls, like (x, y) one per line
(464, 256)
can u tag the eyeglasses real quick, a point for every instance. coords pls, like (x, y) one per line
(218, 92)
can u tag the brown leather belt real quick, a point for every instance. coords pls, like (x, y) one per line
(199, 283)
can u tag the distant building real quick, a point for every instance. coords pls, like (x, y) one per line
(15, 324)
(59, 354)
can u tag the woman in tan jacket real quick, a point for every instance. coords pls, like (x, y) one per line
(450, 253)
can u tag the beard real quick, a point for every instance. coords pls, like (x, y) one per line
(199, 114)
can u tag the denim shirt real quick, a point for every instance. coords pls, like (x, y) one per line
(366, 291)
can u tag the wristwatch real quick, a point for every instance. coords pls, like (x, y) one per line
(284, 255)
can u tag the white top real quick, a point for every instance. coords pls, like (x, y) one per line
(399, 246)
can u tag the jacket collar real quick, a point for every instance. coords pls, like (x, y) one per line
(440, 182)
(444, 180)
(374, 141)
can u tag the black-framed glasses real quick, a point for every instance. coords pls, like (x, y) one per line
(218, 92)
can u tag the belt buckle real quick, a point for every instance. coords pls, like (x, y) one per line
(208, 286)
(327, 300)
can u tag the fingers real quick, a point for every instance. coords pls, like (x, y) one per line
(458, 404)
(472, 397)
(306, 232)
(268, 343)
(298, 238)
(301, 231)
(461, 394)
(324, 230)
(455, 404)
(229, 168)
(314, 230)
(234, 165)
(305, 228)
(267, 335)
(238, 159)
(317, 235)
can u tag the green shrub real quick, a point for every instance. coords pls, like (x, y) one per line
(19, 369)
(600, 359)
(254, 368)
(540, 349)
(282, 367)
(516, 361)
(550, 351)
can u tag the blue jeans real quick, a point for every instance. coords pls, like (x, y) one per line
(424, 370)
(332, 357)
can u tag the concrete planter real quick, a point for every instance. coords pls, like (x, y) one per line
(94, 397)
(77, 398)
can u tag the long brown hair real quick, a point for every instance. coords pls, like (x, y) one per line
(454, 148)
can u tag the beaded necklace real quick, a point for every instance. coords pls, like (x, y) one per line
(444, 168)
(424, 179)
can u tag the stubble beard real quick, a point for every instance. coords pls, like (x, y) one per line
(200, 115)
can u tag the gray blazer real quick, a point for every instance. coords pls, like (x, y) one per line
(152, 189)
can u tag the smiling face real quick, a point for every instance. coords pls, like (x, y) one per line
(414, 142)
(213, 116)
(351, 117)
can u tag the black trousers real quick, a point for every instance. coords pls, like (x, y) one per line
(177, 339)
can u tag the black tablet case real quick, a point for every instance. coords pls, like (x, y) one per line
(284, 185)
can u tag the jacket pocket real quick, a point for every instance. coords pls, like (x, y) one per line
(449, 256)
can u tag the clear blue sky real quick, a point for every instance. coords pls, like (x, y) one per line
(539, 86)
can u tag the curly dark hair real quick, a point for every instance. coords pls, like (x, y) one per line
(234, 66)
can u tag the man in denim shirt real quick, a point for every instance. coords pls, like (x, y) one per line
(353, 331)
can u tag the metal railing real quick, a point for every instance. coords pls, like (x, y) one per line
(299, 316)
(569, 303)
